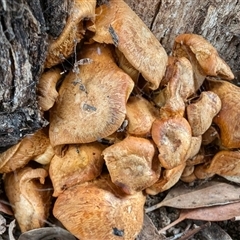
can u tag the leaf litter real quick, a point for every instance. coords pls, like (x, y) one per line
(210, 193)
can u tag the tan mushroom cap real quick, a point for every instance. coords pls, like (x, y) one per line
(27, 149)
(201, 113)
(173, 139)
(189, 179)
(81, 163)
(29, 196)
(225, 163)
(194, 147)
(174, 103)
(168, 179)
(203, 56)
(117, 24)
(228, 119)
(182, 69)
(201, 171)
(91, 104)
(131, 164)
(46, 156)
(99, 210)
(46, 88)
(126, 66)
(140, 115)
(74, 31)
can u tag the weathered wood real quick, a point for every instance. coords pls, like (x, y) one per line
(23, 45)
(216, 20)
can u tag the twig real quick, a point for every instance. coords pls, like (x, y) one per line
(192, 232)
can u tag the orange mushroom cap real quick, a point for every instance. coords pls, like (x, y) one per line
(173, 139)
(114, 24)
(131, 164)
(91, 103)
(99, 210)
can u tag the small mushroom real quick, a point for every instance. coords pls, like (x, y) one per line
(201, 172)
(99, 210)
(210, 135)
(188, 170)
(46, 157)
(194, 147)
(173, 139)
(114, 25)
(226, 163)
(201, 113)
(61, 48)
(140, 115)
(174, 104)
(92, 103)
(29, 196)
(228, 119)
(27, 149)
(203, 56)
(46, 88)
(189, 179)
(80, 163)
(168, 179)
(132, 164)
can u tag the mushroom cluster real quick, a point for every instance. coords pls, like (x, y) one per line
(126, 120)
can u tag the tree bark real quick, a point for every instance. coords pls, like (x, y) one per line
(24, 30)
(27, 25)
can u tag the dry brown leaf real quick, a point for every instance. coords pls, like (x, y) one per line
(149, 231)
(213, 213)
(47, 233)
(214, 232)
(212, 193)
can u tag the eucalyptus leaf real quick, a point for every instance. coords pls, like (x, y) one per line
(47, 233)
(209, 194)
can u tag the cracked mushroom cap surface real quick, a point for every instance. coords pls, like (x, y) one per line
(132, 164)
(100, 210)
(92, 103)
(203, 56)
(173, 138)
(29, 196)
(79, 164)
(114, 24)
(62, 47)
(27, 149)
(228, 118)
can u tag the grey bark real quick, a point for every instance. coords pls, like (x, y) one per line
(24, 31)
